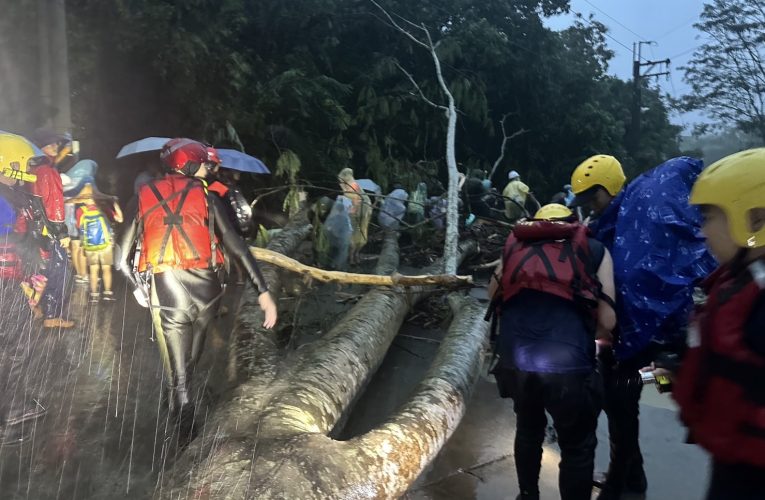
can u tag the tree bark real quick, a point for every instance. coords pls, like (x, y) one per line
(247, 439)
(278, 259)
(382, 463)
(255, 350)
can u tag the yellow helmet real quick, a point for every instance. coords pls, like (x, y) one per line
(735, 184)
(15, 155)
(598, 170)
(553, 211)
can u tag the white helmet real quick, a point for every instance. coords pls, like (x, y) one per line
(513, 175)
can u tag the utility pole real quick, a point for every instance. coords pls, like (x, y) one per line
(637, 84)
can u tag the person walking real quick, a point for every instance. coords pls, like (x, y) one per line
(179, 228)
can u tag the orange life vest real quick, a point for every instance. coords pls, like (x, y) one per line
(177, 225)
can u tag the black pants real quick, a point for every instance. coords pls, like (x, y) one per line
(56, 271)
(739, 481)
(622, 406)
(184, 303)
(574, 402)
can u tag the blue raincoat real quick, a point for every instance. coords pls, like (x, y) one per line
(655, 239)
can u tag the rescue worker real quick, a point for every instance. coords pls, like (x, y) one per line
(556, 288)
(719, 387)
(54, 233)
(657, 261)
(179, 226)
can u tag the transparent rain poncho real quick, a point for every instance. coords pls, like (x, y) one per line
(393, 209)
(339, 230)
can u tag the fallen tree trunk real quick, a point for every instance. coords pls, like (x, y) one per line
(334, 369)
(277, 259)
(380, 464)
(304, 402)
(256, 349)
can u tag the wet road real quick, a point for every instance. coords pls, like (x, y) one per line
(106, 432)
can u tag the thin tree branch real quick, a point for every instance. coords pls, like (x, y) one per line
(505, 140)
(411, 79)
(396, 25)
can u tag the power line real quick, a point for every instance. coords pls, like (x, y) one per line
(615, 20)
(581, 16)
(679, 26)
(683, 52)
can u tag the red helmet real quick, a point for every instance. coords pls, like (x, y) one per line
(184, 155)
(212, 155)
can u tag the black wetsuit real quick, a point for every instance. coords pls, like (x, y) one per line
(184, 302)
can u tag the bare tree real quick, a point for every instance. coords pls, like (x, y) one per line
(505, 139)
(452, 231)
(727, 73)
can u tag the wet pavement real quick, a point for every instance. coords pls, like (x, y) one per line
(106, 432)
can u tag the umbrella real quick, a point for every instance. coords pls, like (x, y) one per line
(143, 146)
(236, 160)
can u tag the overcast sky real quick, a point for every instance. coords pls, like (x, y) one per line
(669, 23)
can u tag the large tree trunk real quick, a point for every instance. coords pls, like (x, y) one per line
(255, 349)
(304, 402)
(382, 463)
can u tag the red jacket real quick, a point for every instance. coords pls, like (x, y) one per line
(49, 189)
(720, 385)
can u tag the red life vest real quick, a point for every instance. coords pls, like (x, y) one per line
(177, 225)
(721, 385)
(552, 257)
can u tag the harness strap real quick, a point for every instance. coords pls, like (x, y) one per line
(173, 220)
(211, 231)
(535, 250)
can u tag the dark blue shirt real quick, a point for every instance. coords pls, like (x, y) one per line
(541, 332)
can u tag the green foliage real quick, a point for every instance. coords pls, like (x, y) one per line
(727, 72)
(288, 167)
(319, 81)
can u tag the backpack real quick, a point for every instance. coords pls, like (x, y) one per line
(95, 231)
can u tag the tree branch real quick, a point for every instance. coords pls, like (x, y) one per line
(505, 140)
(422, 95)
(396, 25)
(277, 259)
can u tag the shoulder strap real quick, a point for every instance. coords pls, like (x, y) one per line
(211, 230)
(173, 220)
(162, 202)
